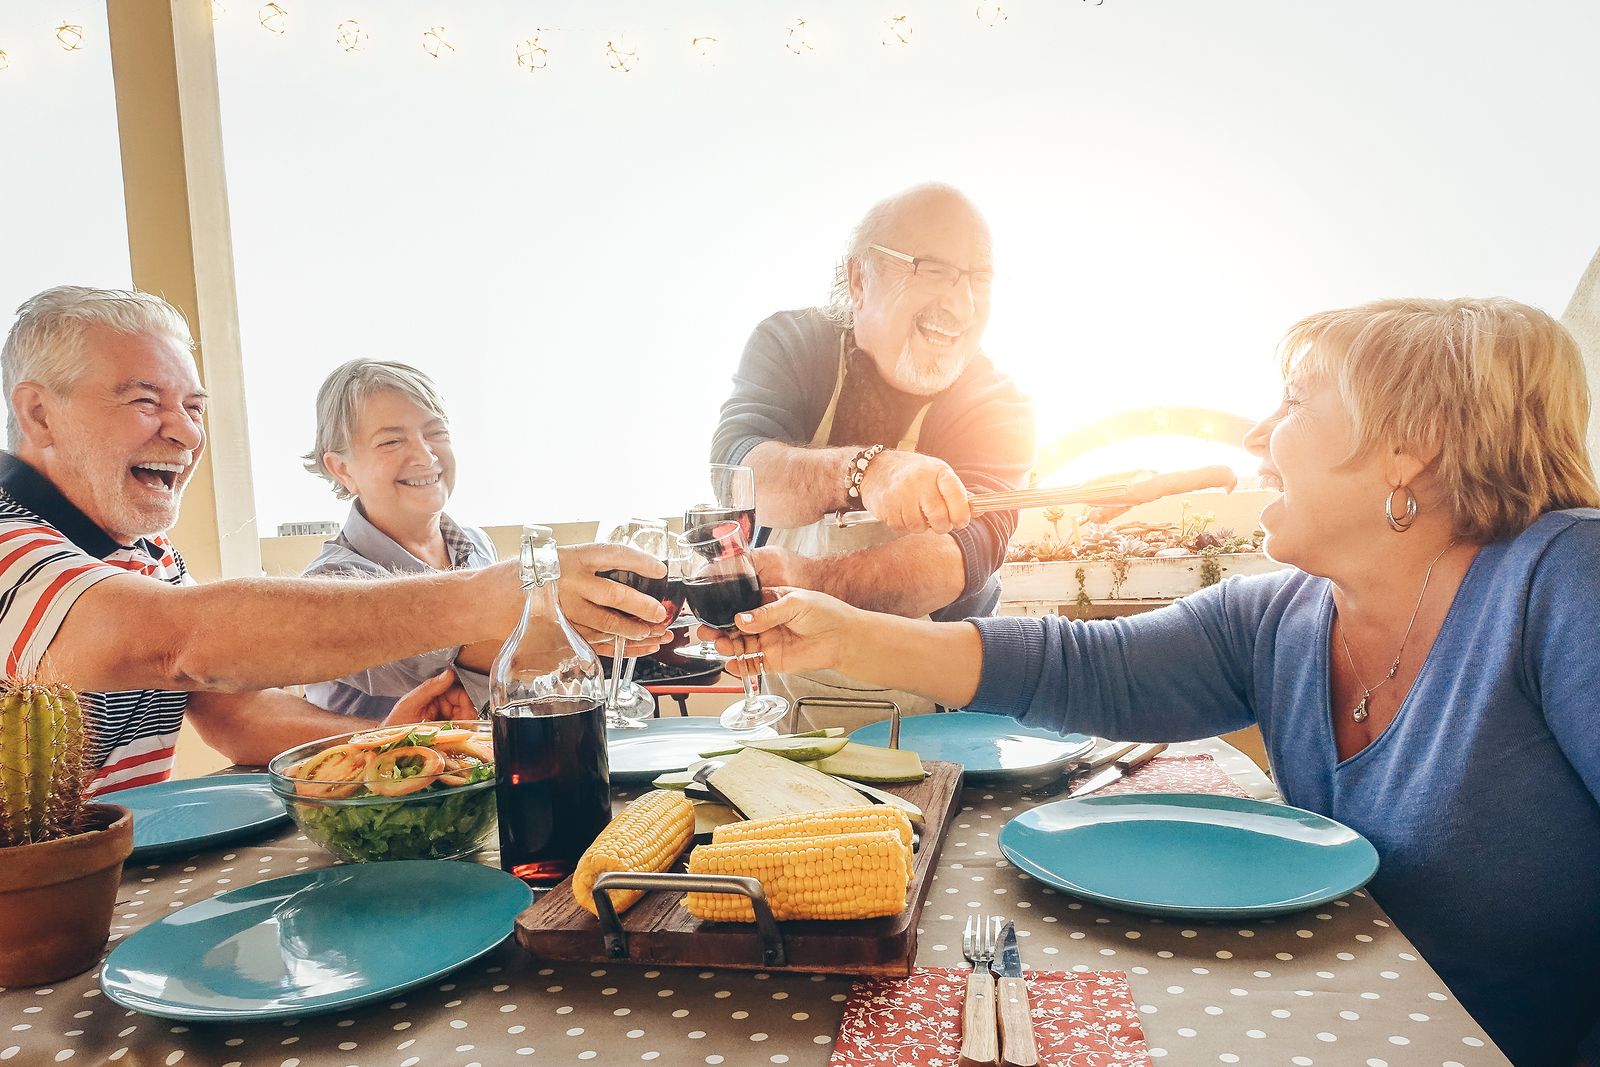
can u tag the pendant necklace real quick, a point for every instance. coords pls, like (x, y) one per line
(1359, 712)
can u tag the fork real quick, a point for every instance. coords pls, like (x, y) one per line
(980, 1044)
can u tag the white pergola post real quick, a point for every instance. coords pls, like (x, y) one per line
(164, 68)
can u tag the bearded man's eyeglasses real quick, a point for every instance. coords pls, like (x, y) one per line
(936, 274)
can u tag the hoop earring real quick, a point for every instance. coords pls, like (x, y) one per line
(1400, 524)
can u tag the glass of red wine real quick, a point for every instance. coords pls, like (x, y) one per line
(626, 703)
(672, 602)
(732, 497)
(720, 581)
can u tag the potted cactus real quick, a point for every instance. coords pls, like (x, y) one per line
(60, 858)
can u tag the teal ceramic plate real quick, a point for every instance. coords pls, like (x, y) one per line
(1190, 854)
(173, 817)
(670, 745)
(990, 748)
(314, 941)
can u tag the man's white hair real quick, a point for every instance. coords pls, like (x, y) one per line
(47, 342)
(869, 231)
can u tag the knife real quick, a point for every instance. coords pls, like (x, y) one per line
(1017, 1048)
(1105, 776)
(1114, 751)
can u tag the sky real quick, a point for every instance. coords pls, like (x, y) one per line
(577, 254)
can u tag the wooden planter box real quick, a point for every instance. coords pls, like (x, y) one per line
(1047, 588)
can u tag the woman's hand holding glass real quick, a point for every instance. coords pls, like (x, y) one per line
(797, 630)
(802, 630)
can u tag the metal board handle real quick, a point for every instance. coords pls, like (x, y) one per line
(616, 938)
(845, 702)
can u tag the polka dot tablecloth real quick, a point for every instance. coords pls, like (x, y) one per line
(1336, 986)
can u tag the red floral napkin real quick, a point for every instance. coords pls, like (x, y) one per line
(1175, 774)
(1080, 1018)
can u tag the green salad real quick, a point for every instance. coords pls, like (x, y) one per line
(406, 792)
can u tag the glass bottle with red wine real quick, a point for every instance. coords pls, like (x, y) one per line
(547, 707)
(731, 497)
(720, 581)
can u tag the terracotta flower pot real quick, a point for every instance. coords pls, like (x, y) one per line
(56, 898)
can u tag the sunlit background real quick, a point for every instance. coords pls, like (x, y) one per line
(577, 252)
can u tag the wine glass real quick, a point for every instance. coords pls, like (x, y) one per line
(627, 703)
(720, 581)
(732, 497)
(672, 601)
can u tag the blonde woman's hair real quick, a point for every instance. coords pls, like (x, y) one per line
(48, 345)
(345, 391)
(1496, 387)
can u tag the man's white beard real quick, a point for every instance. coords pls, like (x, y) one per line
(115, 508)
(927, 377)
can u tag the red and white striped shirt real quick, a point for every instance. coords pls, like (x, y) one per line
(50, 552)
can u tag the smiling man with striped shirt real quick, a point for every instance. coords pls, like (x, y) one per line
(107, 425)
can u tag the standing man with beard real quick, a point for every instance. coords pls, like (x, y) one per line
(884, 402)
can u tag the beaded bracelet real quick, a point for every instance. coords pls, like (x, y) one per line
(857, 470)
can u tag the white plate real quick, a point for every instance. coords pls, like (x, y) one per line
(670, 745)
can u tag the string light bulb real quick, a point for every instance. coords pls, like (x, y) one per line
(273, 18)
(798, 42)
(704, 47)
(70, 37)
(619, 57)
(991, 13)
(896, 31)
(532, 56)
(350, 36)
(434, 44)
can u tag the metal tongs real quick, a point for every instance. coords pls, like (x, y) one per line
(1115, 497)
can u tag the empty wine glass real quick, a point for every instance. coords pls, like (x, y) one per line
(731, 495)
(720, 581)
(627, 703)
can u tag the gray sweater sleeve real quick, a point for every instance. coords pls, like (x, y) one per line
(1176, 674)
(985, 431)
(782, 387)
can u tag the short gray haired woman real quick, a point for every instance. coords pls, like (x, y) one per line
(383, 440)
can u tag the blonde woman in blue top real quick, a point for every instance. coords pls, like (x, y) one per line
(1428, 672)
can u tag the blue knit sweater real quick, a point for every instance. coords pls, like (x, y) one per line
(1481, 796)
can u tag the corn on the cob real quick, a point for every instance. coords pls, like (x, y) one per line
(839, 876)
(648, 836)
(865, 819)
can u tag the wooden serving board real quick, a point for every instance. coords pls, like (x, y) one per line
(661, 932)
